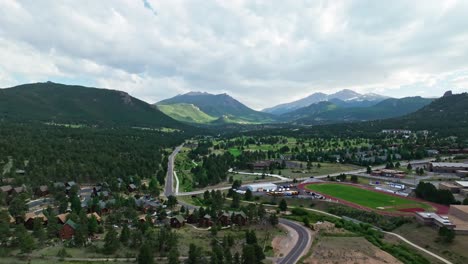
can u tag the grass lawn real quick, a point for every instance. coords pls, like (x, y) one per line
(235, 152)
(366, 198)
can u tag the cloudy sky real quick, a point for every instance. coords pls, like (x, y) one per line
(261, 52)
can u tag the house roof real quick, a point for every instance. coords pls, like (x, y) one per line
(19, 189)
(463, 184)
(63, 217)
(98, 218)
(450, 165)
(463, 208)
(207, 216)
(59, 184)
(72, 224)
(6, 188)
(43, 188)
(179, 218)
(240, 213)
(32, 215)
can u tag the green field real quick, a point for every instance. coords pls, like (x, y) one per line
(366, 198)
(186, 113)
(235, 152)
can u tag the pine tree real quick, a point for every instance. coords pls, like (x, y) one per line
(283, 205)
(111, 241)
(125, 235)
(145, 255)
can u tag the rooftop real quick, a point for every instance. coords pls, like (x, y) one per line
(435, 217)
(450, 164)
(463, 208)
(463, 184)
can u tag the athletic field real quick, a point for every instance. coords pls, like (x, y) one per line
(367, 198)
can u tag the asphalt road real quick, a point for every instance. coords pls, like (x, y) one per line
(169, 186)
(301, 247)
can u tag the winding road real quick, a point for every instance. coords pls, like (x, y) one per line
(169, 185)
(302, 245)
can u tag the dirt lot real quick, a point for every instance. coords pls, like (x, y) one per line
(426, 236)
(347, 250)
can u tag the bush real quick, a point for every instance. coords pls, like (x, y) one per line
(299, 212)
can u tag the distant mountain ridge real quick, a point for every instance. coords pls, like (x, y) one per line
(329, 112)
(219, 106)
(60, 103)
(351, 97)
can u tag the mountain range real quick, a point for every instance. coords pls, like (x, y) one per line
(348, 97)
(343, 106)
(59, 103)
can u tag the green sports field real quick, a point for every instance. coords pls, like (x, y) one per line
(367, 198)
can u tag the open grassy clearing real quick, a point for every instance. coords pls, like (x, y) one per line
(367, 198)
(186, 113)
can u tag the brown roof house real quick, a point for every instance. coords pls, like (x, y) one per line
(29, 219)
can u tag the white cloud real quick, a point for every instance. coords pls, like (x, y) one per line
(262, 52)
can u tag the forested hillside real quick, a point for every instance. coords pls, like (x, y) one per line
(53, 102)
(54, 153)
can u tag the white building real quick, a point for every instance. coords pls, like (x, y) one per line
(262, 187)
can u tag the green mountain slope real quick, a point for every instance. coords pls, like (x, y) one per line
(53, 102)
(448, 113)
(186, 113)
(220, 105)
(333, 113)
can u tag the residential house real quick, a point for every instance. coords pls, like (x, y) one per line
(20, 189)
(177, 221)
(224, 219)
(68, 230)
(42, 190)
(205, 221)
(239, 218)
(131, 187)
(29, 219)
(7, 189)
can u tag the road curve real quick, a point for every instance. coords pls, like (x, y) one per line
(302, 245)
(169, 185)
